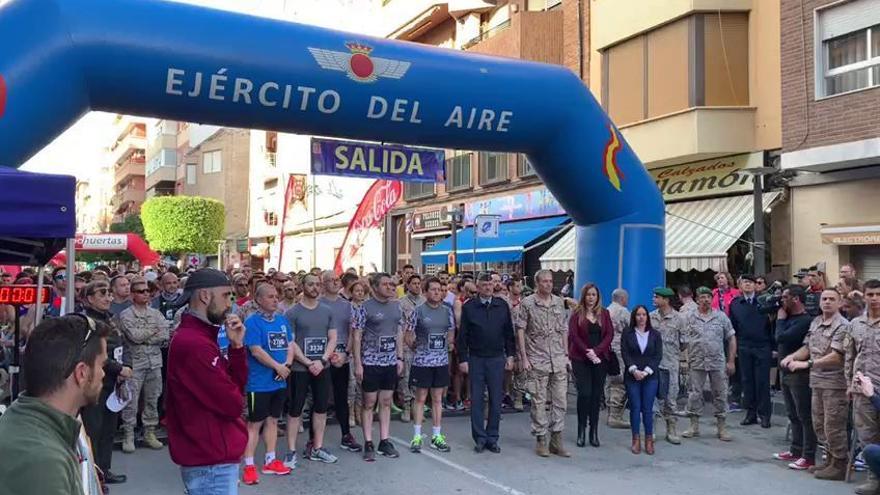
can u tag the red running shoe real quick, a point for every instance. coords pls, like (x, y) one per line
(276, 467)
(801, 464)
(785, 456)
(250, 476)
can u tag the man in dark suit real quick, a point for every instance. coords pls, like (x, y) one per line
(486, 347)
(754, 339)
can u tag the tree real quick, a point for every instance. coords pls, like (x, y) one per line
(131, 225)
(183, 224)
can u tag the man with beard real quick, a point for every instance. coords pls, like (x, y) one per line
(41, 448)
(206, 433)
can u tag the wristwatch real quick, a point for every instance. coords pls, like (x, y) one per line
(809, 364)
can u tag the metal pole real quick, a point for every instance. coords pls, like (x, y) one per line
(474, 258)
(314, 224)
(454, 267)
(15, 369)
(39, 306)
(760, 245)
(71, 255)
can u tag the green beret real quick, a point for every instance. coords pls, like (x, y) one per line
(663, 292)
(704, 290)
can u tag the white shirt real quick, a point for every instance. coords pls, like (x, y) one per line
(642, 337)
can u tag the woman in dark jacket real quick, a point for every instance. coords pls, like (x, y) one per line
(642, 350)
(100, 422)
(589, 347)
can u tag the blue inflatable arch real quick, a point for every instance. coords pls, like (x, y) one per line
(61, 58)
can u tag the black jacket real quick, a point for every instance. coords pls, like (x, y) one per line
(790, 334)
(113, 366)
(485, 331)
(752, 328)
(633, 355)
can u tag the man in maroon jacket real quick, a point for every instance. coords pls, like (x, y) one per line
(204, 393)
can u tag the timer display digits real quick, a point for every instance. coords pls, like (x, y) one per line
(22, 294)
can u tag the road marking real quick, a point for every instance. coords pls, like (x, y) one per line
(473, 474)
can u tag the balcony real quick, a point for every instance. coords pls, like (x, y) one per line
(133, 167)
(535, 36)
(128, 145)
(124, 199)
(700, 133)
(159, 175)
(160, 142)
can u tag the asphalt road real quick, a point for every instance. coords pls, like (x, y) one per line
(697, 467)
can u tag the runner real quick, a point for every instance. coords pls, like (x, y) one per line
(378, 357)
(340, 369)
(430, 333)
(315, 342)
(267, 337)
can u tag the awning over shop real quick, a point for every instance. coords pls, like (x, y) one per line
(514, 239)
(698, 234)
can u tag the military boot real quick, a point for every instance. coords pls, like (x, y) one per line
(541, 446)
(128, 441)
(820, 464)
(869, 487)
(556, 446)
(406, 414)
(616, 419)
(835, 470)
(151, 440)
(672, 431)
(722, 430)
(694, 430)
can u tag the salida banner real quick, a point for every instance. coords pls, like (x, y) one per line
(393, 162)
(377, 202)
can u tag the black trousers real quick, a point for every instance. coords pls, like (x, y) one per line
(798, 401)
(754, 365)
(589, 379)
(100, 424)
(339, 378)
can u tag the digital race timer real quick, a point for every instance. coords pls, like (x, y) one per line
(22, 294)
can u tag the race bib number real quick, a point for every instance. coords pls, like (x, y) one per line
(277, 341)
(117, 354)
(340, 348)
(387, 344)
(315, 346)
(437, 341)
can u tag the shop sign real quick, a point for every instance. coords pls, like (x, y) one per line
(429, 220)
(532, 204)
(859, 235)
(716, 177)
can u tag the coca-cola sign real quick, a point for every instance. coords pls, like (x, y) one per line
(377, 202)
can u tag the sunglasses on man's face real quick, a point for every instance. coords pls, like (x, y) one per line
(60, 277)
(141, 291)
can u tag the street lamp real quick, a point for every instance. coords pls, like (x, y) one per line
(759, 247)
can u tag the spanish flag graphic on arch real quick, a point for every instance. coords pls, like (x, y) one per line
(610, 167)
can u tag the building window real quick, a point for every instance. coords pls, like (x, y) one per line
(700, 60)
(191, 174)
(416, 190)
(270, 184)
(493, 168)
(848, 47)
(524, 168)
(458, 170)
(212, 162)
(536, 5)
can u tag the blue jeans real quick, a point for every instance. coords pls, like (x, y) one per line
(486, 373)
(641, 403)
(871, 453)
(219, 479)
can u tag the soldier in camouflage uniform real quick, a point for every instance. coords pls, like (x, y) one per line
(863, 354)
(823, 355)
(145, 332)
(412, 299)
(542, 342)
(707, 329)
(615, 392)
(671, 326)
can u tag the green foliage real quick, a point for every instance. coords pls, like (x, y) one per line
(132, 224)
(183, 224)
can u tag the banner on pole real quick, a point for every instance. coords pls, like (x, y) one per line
(393, 162)
(377, 202)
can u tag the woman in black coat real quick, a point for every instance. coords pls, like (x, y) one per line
(642, 349)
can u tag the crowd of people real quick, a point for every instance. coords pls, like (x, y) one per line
(225, 359)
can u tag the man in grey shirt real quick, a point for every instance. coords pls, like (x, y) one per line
(315, 337)
(340, 368)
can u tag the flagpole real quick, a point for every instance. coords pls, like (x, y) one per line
(314, 225)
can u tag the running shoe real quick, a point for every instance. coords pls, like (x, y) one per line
(459, 406)
(438, 442)
(290, 460)
(322, 455)
(250, 476)
(369, 452)
(801, 464)
(350, 444)
(387, 449)
(785, 456)
(416, 445)
(307, 450)
(276, 467)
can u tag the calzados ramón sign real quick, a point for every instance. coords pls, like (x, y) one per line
(358, 159)
(707, 178)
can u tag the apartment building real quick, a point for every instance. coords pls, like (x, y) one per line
(127, 157)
